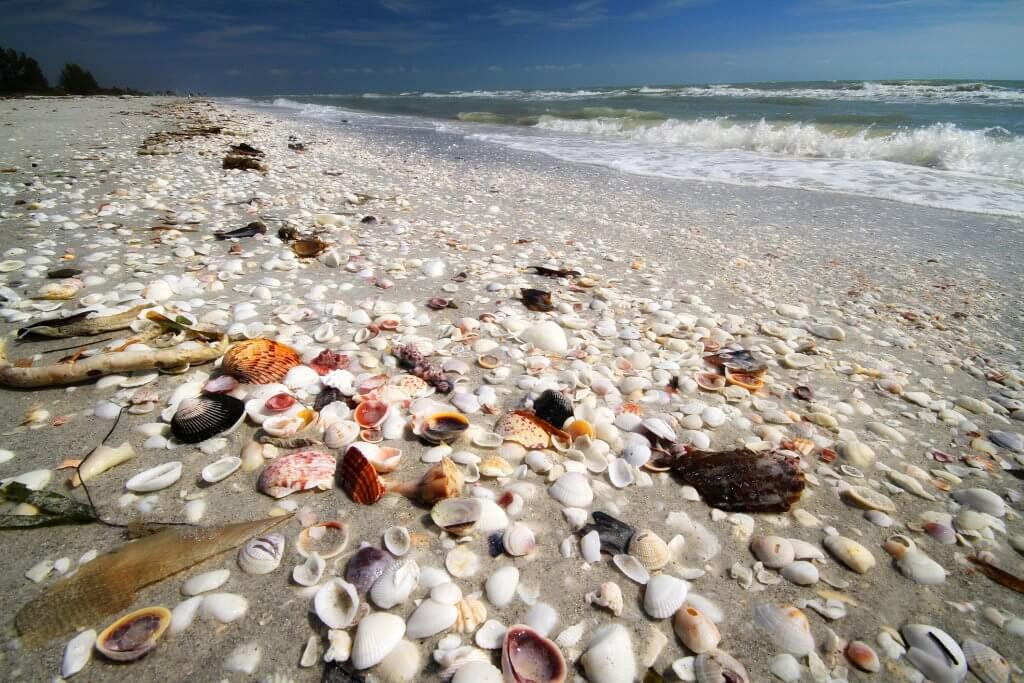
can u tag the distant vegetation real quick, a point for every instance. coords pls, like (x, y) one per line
(21, 75)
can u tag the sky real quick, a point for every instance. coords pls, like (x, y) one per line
(272, 47)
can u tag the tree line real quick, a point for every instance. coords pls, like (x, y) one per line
(21, 75)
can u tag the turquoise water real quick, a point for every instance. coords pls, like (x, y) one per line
(954, 144)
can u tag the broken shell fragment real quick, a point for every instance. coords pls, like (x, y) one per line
(134, 635)
(300, 471)
(327, 539)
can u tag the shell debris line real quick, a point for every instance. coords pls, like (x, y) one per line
(510, 448)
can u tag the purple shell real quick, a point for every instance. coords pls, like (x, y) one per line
(366, 566)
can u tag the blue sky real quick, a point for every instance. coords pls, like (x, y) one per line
(294, 47)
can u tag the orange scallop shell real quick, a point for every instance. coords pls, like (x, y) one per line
(359, 479)
(528, 430)
(259, 361)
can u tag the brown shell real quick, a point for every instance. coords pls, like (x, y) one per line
(742, 480)
(359, 479)
(259, 361)
(134, 635)
(442, 481)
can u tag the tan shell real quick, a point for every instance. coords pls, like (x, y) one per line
(470, 614)
(869, 499)
(495, 466)
(649, 550)
(518, 428)
(259, 361)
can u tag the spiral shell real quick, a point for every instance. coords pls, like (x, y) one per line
(259, 361)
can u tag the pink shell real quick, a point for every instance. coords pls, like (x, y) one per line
(371, 413)
(299, 471)
(279, 403)
(221, 385)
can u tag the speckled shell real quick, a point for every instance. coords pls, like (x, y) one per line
(518, 427)
(259, 361)
(299, 471)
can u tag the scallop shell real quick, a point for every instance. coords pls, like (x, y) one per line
(259, 361)
(664, 595)
(985, 663)
(553, 407)
(397, 540)
(518, 426)
(396, 584)
(327, 539)
(134, 635)
(359, 479)
(378, 634)
(336, 603)
(298, 471)
(262, 554)
(649, 549)
(203, 417)
(572, 490)
(787, 626)
(528, 656)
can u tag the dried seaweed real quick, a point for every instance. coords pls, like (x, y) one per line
(742, 480)
(54, 508)
(1000, 576)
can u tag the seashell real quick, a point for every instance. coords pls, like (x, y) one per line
(663, 595)
(984, 662)
(934, 653)
(309, 572)
(572, 490)
(430, 618)
(133, 635)
(697, 632)
(719, 667)
(259, 361)
(981, 500)
(774, 552)
(340, 648)
(490, 635)
(358, 478)
(457, 516)
(518, 539)
(607, 595)
(444, 427)
(369, 414)
(205, 582)
(278, 403)
(401, 665)
(461, 562)
(366, 566)
(518, 426)
(632, 568)
(397, 540)
(203, 417)
(863, 656)
(471, 613)
(446, 592)
(340, 434)
(500, 586)
(914, 564)
(785, 667)
(710, 381)
(477, 672)
(300, 471)
(443, 480)
(155, 478)
(224, 608)
(614, 535)
(495, 466)
(529, 657)
(221, 469)
(609, 656)
(553, 407)
(547, 336)
(787, 626)
(869, 499)
(336, 603)
(801, 573)
(262, 554)
(620, 473)
(852, 554)
(743, 480)
(943, 533)
(101, 459)
(300, 377)
(649, 549)
(327, 539)
(378, 634)
(77, 653)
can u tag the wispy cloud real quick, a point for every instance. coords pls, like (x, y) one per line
(577, 15)
(552, 67)
(407, 6)
(663, 8)
(402, 39)
(217, 37)
(89, 14)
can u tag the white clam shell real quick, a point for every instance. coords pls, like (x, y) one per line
(500, 586)
(934, 653)
(262, 554)
(664, 595)
(621, 473)
(244, 659)
(430, 618)
(396, 584)
(519, 539)
(981, 500)
(461, 562)
(397, 540)
(477, 671)
(787, 626)
(223, 607)
(632, 568)
(609, 656)
(801, 572)
(401, 665)
(77, 653)
(311, 571)
(221, 469)
(377, 635)
(572, 490)
(155, 478)
(207, 581)
(490, 635)
(336, 603)
(446, 593)
(590, 547)
(183, 614)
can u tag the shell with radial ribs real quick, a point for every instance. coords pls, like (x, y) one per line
(299, 471)
(471, 614)
(359, 479)
(649, 550)
(261, 554)
(553, 407)
(204, 417)
(259, 361)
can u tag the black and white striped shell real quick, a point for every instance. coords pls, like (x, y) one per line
(553, 407)
(261, 554)
(203, 417)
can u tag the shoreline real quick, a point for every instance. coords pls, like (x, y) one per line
(725, 254)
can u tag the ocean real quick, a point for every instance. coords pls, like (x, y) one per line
(951, 144)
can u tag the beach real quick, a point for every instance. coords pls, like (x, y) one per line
(893, 314)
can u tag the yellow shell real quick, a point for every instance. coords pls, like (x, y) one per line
(495, 466)
(259, 361)
(470, 614)
(649, 550)
(581, 428)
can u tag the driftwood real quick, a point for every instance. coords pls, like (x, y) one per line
(79, 326)
(191, 353)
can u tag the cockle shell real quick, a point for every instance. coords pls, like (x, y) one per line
(377, 635)
(529, 657)
(366, 566)
(572, 490)
(664, 595)
(203, 417)
(259, 361)
(649, 550)
(553, 407)
(358, 478)
(340, 434)
(300, 471)
(262, 554)
(396, 584)
(133, 635)
(336, 603)
(609, 656)
(787, 626)
(697, 632)
(985, 663)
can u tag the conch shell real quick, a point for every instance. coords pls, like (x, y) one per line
(443, 480)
